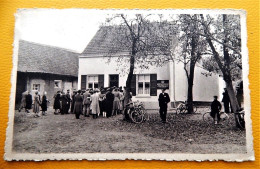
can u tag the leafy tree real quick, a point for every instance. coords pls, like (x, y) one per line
(223, 37)
(134, 41)
(192, 48)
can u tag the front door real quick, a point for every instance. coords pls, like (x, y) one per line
(113, 80)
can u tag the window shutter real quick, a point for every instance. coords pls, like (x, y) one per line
(153, 82)
(101, 81)
(83, 82)
(133, 85)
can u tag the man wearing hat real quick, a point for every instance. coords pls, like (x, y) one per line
(68, 100)
(226, 101)
(215, 109)
(164, 99)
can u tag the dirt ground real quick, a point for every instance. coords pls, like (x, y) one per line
(181, 134)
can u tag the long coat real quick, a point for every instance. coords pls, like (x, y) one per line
(56, 104)
(68, 102)
(64, 102)
(28, 101)
(225, 97)
(78, 104)
(23, 101)
(44, 103)
(95, 103)
(164, 99)
(37, 103)
(109, 103)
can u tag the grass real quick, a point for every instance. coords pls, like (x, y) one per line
(182, 134)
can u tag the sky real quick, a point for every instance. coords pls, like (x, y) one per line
(72, 29)
(69, 29)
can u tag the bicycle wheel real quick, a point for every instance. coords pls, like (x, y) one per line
(136, 116)
(224, 118)
(240, 120)
(178, 110)
(207, 118)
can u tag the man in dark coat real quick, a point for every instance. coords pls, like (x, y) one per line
(73, 101)
(68, 99)
(109, 102)
(64, 101)
(56, 105)
(78, 104)
(215, 109)
(28, 104)
(226, 101)
(164, 99)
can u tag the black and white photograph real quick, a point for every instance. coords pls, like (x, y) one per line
(130, 84)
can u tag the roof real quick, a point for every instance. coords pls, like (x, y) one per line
(104, 42)
(38, 58)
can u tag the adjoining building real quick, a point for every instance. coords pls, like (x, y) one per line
(95, 71)
(45, 68)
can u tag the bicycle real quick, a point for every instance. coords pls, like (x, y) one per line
(224, 118)
(137, 113)
(183, 108)
(240, 118)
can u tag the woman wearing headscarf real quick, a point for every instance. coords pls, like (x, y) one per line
(37, 103)
(44, 103)
(78, 104)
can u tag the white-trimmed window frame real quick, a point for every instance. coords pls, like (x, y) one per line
(146, 79)
(93, 82)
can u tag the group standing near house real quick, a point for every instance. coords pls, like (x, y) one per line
(105, 102)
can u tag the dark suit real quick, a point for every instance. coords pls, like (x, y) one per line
(164, 99)
(226, 101)
(215, 109)
(68, 103)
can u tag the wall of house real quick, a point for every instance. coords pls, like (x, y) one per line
(99, 65)
(46, 81)
(204, 87)
(203, 90)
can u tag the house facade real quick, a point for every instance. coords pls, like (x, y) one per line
(97, 70)
(45, 69)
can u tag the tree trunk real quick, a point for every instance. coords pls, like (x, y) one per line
(130, 74)
(190, 89)
(231, 93)
(193, 61)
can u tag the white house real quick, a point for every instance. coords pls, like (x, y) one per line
(95, 71)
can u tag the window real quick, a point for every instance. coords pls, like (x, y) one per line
(36, 87)
(57, 83)
(92, 82)
(143, 84)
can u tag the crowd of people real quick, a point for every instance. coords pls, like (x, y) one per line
(104, 102)
(35, 103)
